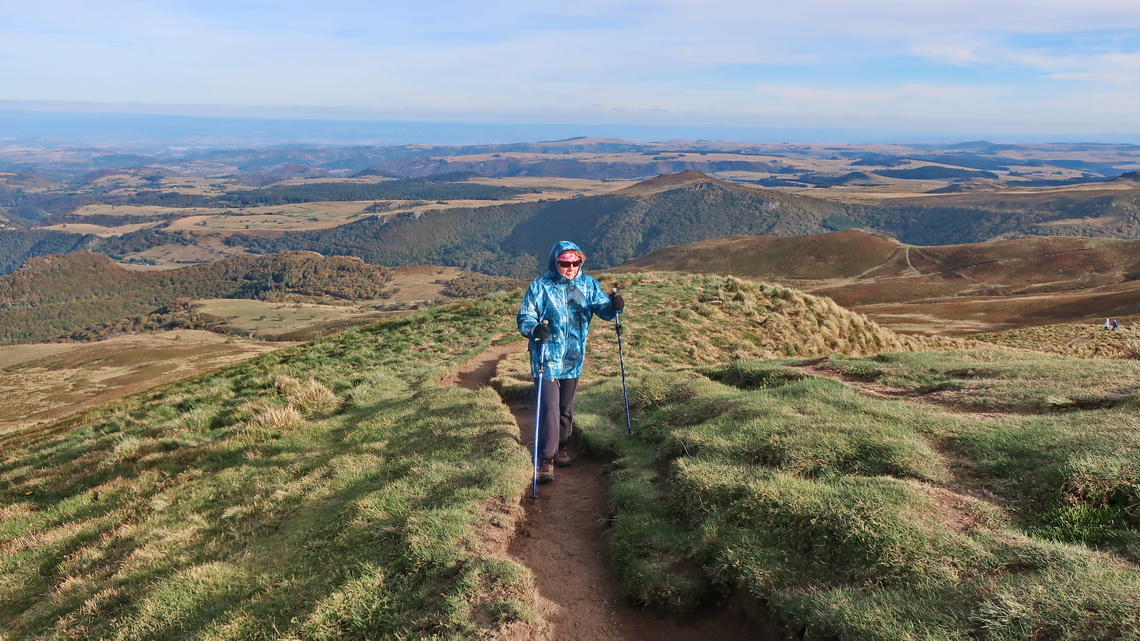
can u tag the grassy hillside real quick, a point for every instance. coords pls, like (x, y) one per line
(46, 381)
(891, 271)
(908, 495)
(844, 254)
(1083, 340)
(330, 491)
(336, 490)
(1104, 210)
(1004, 507)
(59, 294)
(964, 494)
(951, 288)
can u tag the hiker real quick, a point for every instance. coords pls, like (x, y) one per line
(1108, 323)
(1115, 324)
(566, 299)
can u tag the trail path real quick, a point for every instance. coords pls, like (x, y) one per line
(563, 540)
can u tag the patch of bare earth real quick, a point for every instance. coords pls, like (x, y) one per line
(562, 537)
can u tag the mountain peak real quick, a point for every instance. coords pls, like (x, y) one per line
(669, 182)
(83, 259)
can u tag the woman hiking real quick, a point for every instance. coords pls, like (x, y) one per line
(557, 309)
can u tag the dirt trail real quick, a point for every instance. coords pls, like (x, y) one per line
(563, 540)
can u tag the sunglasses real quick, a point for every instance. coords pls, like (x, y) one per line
(569, 263)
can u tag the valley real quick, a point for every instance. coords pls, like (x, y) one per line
(170, 215)
(196, 206)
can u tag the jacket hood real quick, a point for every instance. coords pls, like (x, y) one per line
(559, 247)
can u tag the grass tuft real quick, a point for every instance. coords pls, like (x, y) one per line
(980, 514)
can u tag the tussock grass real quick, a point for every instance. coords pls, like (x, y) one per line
(999, 380)
(331, 491)
(1081, 340)
(851, 516)
(309, 398)
(274, 417)
(1004, 507)
(686, 321)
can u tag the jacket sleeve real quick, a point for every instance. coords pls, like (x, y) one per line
(528, 310)
(600, 303)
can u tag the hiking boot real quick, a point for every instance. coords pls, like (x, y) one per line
(546, 471)
(562, 458)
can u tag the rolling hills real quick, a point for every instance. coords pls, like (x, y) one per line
(690, 206)
(512, 239)
(156, 210)
(944, 289)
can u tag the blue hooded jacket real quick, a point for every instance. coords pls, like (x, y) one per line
(569, 305)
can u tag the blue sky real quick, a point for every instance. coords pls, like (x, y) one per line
(1010, 67)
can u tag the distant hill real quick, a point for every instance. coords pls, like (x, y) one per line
(510, 237)
(1106, 210)
(1011, 283)
(53, 295)
(674, 209)
(513, 239)
(17, 246)
(845, 254)
(508, 165)
(934, 172)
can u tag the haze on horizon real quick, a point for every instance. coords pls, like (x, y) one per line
(1014, 68)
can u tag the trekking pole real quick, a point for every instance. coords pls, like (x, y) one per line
(538, 412)
(621, 359)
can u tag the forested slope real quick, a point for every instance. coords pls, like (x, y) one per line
(512, 240)
(55, 294)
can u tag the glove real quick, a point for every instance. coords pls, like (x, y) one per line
(540, 332)
(617, 303)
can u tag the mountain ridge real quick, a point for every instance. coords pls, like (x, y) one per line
(1013, 282)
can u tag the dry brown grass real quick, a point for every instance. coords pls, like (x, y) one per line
(265, 318)
(277, 417)
(1083, 340)
(44, 382)
(951, 290)
(310, 397)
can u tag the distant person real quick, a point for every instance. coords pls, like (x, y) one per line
(1108, 323)
(1115, 324)
(567, 299)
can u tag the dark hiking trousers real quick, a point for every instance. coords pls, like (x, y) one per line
(556, 416)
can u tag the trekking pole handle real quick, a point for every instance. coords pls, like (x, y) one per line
(541, 340)
(617, 316)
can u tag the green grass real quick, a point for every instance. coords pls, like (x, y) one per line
(333, 491)
(848, 516)
(997, 380)
(337, 491)
(681, 321)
